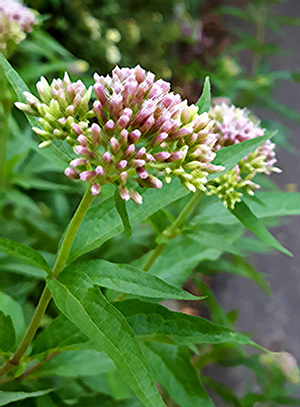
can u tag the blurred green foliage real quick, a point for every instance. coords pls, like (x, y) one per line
(181, 41)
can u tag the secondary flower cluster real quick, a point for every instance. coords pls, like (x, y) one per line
(136, 130)
(16, 21)
(234, 125)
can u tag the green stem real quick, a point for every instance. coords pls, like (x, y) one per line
(171, 232)
(35, 322)
(46, 295)
(71, 233)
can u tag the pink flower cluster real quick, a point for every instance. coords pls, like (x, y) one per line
(16, 21)
(136, 130)
(234, 125)
(143, 129)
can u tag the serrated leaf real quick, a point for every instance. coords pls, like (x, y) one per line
(103, 222)
(19, 87)
(7, 397)
(153, 322)
(203, 103)
(172, 369)
(24, 253)
(243, 213)
(7, 332)
(229, 156)
(88, 309)
(122, 211)
(125, 278)
(10, 307)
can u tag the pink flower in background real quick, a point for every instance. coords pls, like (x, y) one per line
(16, 20)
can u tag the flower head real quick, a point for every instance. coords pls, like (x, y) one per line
(234, 125)
(16, 21)
(136, 131)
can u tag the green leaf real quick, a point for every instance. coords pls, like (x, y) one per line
(172, 368)
(125, 278)
(275, 204)
(153, 322)
(180, 257)
(60, 335)
(287, 20)
(25, 253)
(7, 332)
(22, 268)
(76, 364)
(7, 397)
(122, 211)
(243, 213)
(19, 87)
(203, 103)
(223, 391)
(238, 266)
(88, 309)
(235, 12)
(229, 156)
(10, 307)
(102, 221)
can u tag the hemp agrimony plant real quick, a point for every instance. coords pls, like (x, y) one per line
(129, 132)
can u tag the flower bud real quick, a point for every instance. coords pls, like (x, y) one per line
(71, 173)
(95, 189)
(87, 175)
(96, 134)
(78, 161)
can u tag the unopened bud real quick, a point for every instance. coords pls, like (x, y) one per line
(87, 175)
(95, 132)
(95, 189)
(71, 173)
(136, 197)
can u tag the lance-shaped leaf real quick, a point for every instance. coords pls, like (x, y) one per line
(90, 311)
(25, 253)
(19, 87)
(274, 204)
(255, 225)
(122, 211)
(181, 256)
(12, 308)
(153, 322)
(7, 332)
(238, 266)
(7, 397)
(172, 369)
(76, 364)
(103, 222)
(229, 156)
(204, 102)
(60, 335)
(125, 278)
